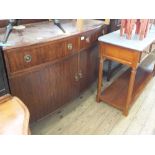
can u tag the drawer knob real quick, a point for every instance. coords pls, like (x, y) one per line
(70, 46)
(88, 40)
(82, 37)
(27, 58)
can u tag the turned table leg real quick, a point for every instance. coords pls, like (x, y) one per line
(109, 70)
(100, 76)
(130, 91)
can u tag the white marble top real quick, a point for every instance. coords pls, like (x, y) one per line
(135, 44)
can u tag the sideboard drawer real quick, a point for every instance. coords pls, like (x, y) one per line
(25, 57)
(71, 45)
(90, 37)
(85, 40)
(22, 58)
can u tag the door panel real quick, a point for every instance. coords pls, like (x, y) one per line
(49, 88)
(83, 69)
(93, 64)
(88, 67)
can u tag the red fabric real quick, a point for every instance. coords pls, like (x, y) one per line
(127, 26)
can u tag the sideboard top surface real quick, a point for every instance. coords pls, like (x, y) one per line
(46, 31)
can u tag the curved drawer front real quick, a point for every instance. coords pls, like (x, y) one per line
(90, 37)
(25, 57)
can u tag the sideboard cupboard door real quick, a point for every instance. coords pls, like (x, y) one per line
(83, 70)
(89, 38)
(88, 67)
(48, 89)
(93, 59)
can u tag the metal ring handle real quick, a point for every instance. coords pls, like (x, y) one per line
(27, 58)
(76, 77)
(70, 46)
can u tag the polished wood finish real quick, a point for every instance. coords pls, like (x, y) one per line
(130, 90)
(48, 88)
(93, 64)
(88, 68)
(4, 23)
(14, 116)
(16, 57)
(100, 75)
(119, 54)
(123, 92)
(113, 26)
(120, 87)
(59, 70)
(46, 31)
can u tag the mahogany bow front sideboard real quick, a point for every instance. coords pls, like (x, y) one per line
(125, 90)
(47, 68)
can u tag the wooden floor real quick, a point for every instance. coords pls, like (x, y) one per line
(85, 116)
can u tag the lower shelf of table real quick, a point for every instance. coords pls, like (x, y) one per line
(116, 93)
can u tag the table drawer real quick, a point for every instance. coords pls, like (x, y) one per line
(116, 53)
(26, 57)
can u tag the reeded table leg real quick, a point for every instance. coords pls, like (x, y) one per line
(109, 70)
(100, 76)
(130, 90)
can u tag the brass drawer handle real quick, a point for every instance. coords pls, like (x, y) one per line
(70, 46)
(27, 58)
(80, 75)
(76, 77)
